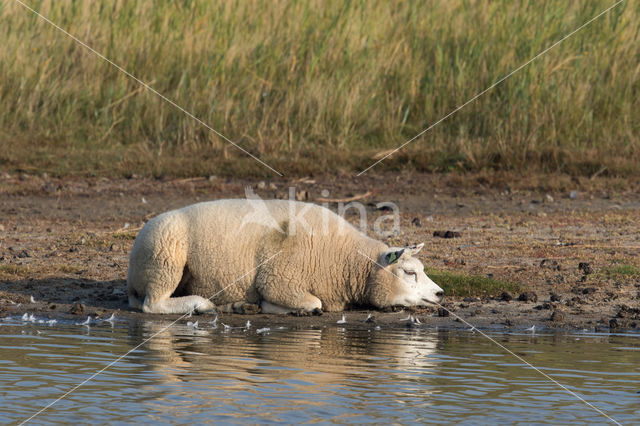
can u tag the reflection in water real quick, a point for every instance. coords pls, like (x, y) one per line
(330, 374)
(303, 370)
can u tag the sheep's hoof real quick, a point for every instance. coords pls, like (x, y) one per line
(206, 308)
(211, 311)
(246, 308)
(393, 308)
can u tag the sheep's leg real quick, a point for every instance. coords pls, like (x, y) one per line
(158, 280)
(307, 302)
(270, 308)
(178, 305)
(157, 266)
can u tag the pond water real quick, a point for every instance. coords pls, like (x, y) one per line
(331, 374)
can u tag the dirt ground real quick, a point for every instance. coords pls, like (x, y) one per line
(571, 244)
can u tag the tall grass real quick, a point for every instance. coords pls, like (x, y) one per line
(312, 85)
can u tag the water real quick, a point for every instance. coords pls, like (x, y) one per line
(333, 375)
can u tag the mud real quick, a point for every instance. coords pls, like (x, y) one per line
(573, 246)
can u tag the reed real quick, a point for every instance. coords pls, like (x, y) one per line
(313, 86)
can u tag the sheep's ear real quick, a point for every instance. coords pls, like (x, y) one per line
(415, 249)
(392, 256)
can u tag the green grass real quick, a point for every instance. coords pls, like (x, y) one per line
(622, 270)
(462, 285)
(312, 86)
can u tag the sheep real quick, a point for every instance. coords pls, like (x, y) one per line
(284, 255)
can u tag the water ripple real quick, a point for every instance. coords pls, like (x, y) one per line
(328, 375)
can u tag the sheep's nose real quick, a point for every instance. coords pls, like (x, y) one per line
(440, 294)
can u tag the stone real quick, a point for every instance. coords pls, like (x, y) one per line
(77, 309)
(506, 296)
(442, 312)
(558, 316)
(528, 296)
(447, 234)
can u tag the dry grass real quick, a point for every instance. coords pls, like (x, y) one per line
(312, 85)
(10, 272)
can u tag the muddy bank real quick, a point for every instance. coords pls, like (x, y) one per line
(77, 299)
(571, 247)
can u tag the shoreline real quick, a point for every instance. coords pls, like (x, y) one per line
(572, 253)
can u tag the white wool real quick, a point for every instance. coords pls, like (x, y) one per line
(285, 255)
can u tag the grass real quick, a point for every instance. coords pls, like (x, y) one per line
(621, 270)
(13, 272)
(125, 235)
(462, 285)
(9, 272)
(311, 86)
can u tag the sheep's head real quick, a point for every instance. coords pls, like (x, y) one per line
(399, 279)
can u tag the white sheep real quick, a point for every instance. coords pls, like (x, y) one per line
(285, 255)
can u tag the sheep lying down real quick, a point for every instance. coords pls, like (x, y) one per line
(283, 255)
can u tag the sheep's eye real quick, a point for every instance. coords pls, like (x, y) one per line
(411, 273)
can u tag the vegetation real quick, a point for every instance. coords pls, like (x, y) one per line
(309, 86)
(462, 285)
(13, 271)
(620, 270)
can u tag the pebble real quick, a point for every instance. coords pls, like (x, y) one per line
(550, 263)
(545, 305)
(77, 309)
(558, 316)
(416, 222)
(585, 268)
(555, 297)
(442, 312)
(506, 296)
(447, 234)
(528, 296)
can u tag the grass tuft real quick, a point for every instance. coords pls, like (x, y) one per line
(13, 271)
(125, 235)
(622, 270)
(462, 285)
